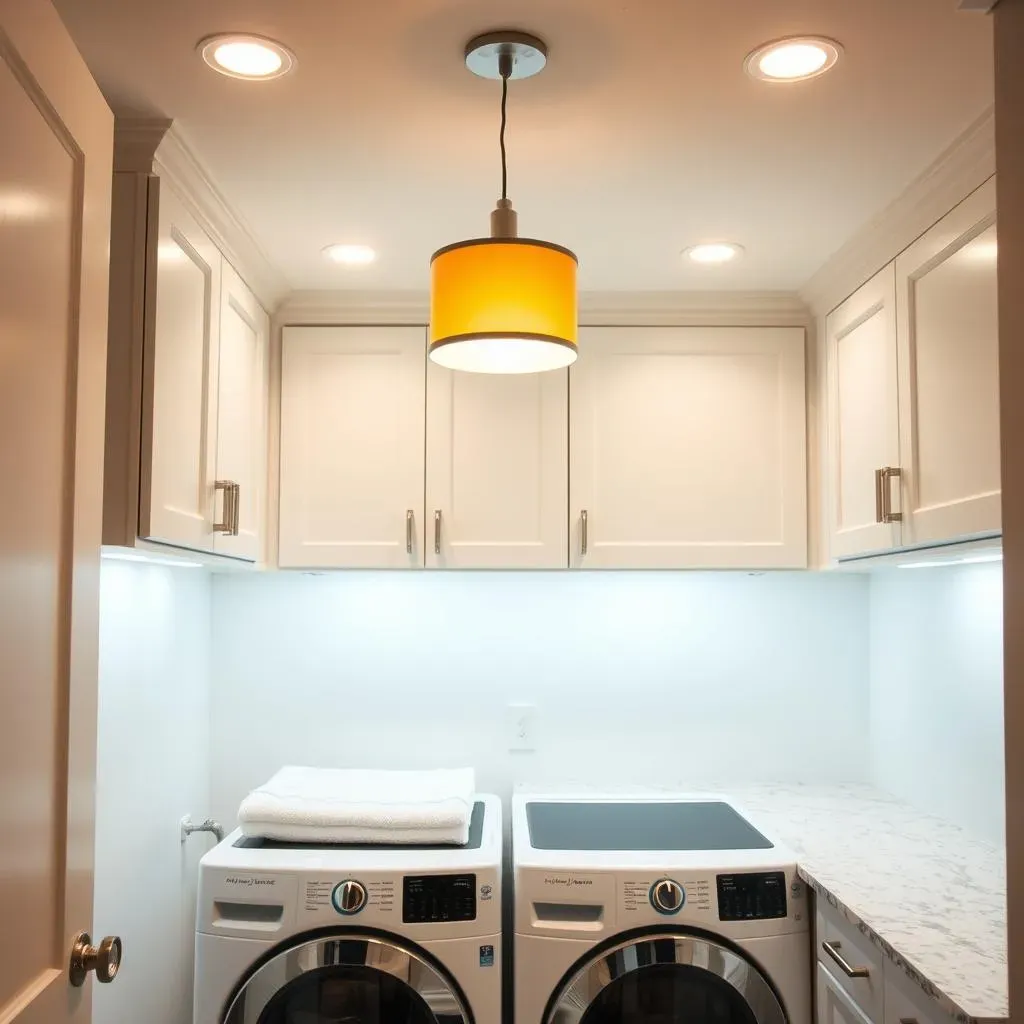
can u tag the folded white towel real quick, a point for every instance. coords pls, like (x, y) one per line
(342, 805)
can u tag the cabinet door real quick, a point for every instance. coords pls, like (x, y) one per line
(947, 328)
(688, 448)
(352, 436)
(241, 420)
(497, 470)
(180, 357)
(863, 416)
(834, 1005)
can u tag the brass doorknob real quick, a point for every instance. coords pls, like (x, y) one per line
(104, 959)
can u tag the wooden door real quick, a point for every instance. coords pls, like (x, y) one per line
(352, 436)
(497, 470)
(55, 173)
(179, 416)
(242, 386)
(948, 334)
(863, 418)
(688, 448)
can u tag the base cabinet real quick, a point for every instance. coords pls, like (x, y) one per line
(688, 448)
(856, 983)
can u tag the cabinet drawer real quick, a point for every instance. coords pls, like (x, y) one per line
(851, 959)
(834, 1005)
(905, 1003)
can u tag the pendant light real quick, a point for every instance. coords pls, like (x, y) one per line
(503, 304)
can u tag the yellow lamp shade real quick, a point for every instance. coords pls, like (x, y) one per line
(503, 305)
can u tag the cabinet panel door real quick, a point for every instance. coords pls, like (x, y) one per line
(497, 469)
(947, 328)
(688, 448)
(242, 417)
(834, 1005)
(863, 415)
(352, 436)
(180, 360)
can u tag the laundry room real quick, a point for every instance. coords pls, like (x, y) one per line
(540, 550)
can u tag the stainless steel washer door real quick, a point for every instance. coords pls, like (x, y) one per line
(665, 979)
(348, 979)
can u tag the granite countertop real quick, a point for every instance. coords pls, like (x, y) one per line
(929, 894)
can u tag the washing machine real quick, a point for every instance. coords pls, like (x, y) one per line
(298, 933)
(654, 911)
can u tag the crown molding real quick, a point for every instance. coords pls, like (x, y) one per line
(136, 140)
(958, 171)
(175, 162)
(627, 309)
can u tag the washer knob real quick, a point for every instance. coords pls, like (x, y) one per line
(349, 897)
(667, 896)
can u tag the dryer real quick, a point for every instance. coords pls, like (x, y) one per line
(652, 911)
(296, 932)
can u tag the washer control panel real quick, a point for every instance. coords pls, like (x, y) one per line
(667, 896)
(427, 899)
(756, 896)
(349, 897)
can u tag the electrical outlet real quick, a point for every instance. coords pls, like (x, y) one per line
(519, 726)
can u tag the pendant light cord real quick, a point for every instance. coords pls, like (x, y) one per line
(501, 136)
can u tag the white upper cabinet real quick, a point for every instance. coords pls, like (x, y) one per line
(497, 470)
(352, 447)
(688, 448)
(242, 389)
(947, 330)
(187, 382)
(863, 419)
(178, 408)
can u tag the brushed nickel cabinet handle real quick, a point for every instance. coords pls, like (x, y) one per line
(229, 519)
(879, 499)
(832, 948)
(408, 531)
(889, 473)
(236, 508)
(437, 531)
(583, 532)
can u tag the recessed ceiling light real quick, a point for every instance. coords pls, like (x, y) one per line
(243, 56)
(713, 252)
(792, 59)
(350, 255)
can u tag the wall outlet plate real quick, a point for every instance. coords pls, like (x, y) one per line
(519, 727)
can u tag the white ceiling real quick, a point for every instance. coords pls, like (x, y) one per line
(642, 136)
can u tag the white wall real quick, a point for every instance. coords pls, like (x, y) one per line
(937, 692)
(153, 767)
(679, 679)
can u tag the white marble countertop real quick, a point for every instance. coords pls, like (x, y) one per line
(928, 893)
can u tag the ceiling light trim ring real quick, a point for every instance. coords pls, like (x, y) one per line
(832, 48)
(208, 45)
(537, 242)
(550, 339)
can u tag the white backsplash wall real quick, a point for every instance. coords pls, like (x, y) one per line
(937, 691)
(638, 678)
(152, 768)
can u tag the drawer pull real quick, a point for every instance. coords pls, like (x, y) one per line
(908, 1020)
(832, 948)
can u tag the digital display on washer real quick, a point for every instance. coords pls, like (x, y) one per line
(752, 897)
(427, 899)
